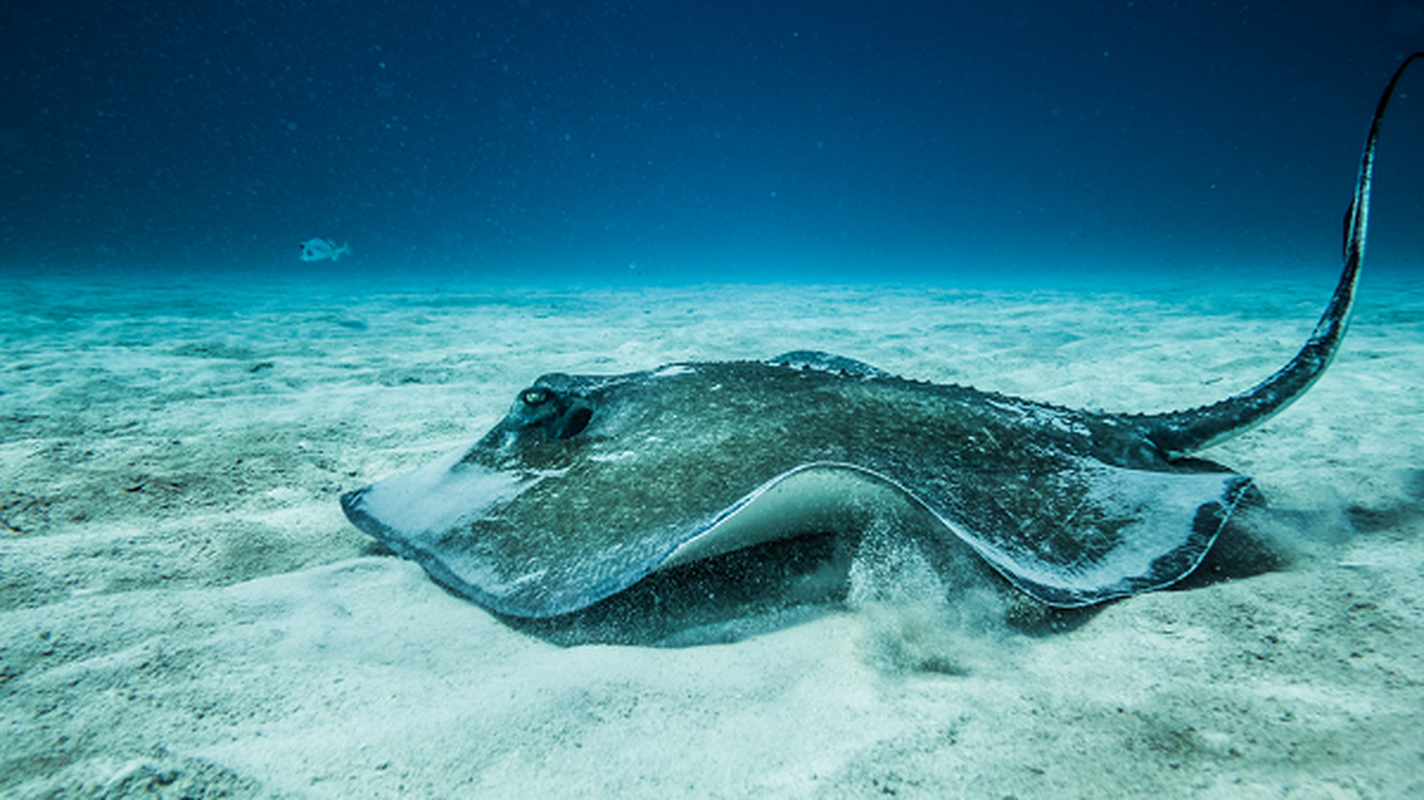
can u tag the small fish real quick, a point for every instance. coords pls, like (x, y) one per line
(322, 249)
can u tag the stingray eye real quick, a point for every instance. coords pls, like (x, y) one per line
(535, 397)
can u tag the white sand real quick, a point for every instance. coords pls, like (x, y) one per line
(184, 609)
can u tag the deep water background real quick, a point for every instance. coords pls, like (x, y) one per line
(572, 143)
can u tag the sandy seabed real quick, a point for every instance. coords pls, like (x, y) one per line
(185, 612)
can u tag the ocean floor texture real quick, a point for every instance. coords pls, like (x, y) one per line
(185, 612)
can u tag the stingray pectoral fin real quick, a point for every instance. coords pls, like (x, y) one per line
(1132, 531)
(1135, 531)
(417, 514)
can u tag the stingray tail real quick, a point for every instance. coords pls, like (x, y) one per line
(1180, 433)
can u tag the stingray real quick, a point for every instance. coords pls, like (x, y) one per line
(590, 483)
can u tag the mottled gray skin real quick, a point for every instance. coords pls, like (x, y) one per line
(590, 483)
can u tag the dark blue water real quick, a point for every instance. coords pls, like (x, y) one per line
(662, 142)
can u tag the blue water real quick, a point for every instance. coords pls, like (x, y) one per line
(647, 142)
